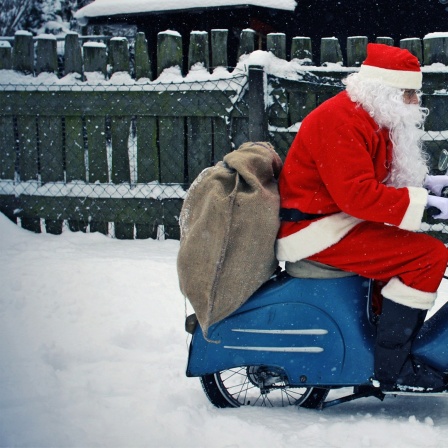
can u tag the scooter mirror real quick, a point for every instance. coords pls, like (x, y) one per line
(443, 160)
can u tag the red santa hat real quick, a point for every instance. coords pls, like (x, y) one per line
(392, 66)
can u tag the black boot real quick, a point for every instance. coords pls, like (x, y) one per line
(395, 367)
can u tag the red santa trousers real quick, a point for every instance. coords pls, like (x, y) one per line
(411, 264)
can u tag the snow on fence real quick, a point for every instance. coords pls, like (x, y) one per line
(98, 137)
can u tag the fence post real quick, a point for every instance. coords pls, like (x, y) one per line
(435, 49)
(385, 41)
(356, 50)
(330, 51)
(198, 50)
(219, 48)
(46, 55)
(301, 49)
(119, 54)
(5, 55)
(276, 44)
(23, 52)
(247, 42)
(73, 55)
(95, 57)
(256, 101)
(142, 63)
(169, 50)
(414, 45)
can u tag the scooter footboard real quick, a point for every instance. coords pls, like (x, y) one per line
(316, 331)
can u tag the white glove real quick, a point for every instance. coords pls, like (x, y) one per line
(435, 184)
(441, 204)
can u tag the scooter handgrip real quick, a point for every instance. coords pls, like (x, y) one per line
(432, 211)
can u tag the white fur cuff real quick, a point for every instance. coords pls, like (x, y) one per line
(398, 292)
(412, 219)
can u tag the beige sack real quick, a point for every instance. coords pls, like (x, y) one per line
(229, 222)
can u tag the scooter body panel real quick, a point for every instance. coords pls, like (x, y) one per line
(316, 330)
(431, 344)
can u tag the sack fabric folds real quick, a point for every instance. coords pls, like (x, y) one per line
(229, 223)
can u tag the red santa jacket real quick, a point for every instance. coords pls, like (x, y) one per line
(337, 166)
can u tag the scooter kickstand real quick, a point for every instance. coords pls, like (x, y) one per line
(361, 392)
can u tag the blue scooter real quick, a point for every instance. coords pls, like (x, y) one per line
(295, 340)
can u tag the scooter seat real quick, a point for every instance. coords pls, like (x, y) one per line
(313, 269)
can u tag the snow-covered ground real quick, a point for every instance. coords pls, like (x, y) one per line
(93, 354)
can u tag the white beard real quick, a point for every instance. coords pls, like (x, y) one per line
(404, 121)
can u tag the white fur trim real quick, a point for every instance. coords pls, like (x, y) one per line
(412, 219)
(315, 238)
(395, 78)
(400, 293)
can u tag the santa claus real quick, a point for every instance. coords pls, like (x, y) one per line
(353, 190)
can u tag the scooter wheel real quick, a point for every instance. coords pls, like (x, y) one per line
(258, 386)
